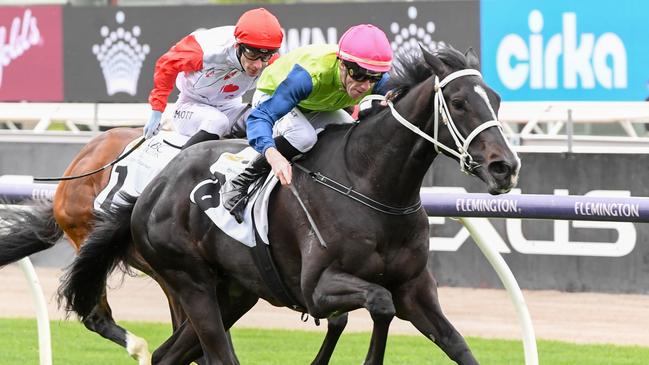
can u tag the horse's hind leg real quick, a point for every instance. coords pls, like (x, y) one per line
(195, 287)
(101, 321)
(184, 347)
(335, 327)
(417, 302)
(341, 292)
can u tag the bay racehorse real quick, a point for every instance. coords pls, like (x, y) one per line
(374, 248)
(71, 212)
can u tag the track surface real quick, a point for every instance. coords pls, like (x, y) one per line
(580, 318)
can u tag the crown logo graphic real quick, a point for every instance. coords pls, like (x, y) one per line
(409, 37)
(120, 57)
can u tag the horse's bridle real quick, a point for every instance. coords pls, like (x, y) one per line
(467, 165)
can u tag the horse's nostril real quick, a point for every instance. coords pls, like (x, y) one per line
(500, 169)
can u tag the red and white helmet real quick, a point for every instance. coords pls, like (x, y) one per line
(367, 46)
(259, 28)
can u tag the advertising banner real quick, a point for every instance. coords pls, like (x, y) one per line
(550, 254)
(110, 53)
(566, 50)
(31, 63)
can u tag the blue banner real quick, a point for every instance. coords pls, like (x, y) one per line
(566, 50)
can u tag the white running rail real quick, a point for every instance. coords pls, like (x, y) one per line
(44, 335)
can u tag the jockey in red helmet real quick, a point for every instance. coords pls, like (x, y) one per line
(308, 87)
(212, 69)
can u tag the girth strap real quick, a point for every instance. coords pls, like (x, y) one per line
(349, 192)
(269, 274)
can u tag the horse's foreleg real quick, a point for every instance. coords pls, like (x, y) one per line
(335, 327)
(101, 321)
(417, 302)
(338, 292)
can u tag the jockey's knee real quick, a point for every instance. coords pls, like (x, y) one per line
(303, 142)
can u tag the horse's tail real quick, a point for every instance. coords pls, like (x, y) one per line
(24, 231)
(107, 246)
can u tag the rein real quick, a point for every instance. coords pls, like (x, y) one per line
(349, 192)
(467, 165)
(120, 158)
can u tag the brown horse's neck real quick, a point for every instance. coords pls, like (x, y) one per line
(388, 161)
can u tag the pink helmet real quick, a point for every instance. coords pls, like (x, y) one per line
(367, 46)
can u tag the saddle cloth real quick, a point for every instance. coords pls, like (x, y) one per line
(135, 172)
(207, 195)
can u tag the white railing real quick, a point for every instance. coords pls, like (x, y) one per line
(533, 122)
(75, 117)
(43, 322)
(40, 305)
(544, 123)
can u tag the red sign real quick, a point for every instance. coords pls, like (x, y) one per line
(31, 57)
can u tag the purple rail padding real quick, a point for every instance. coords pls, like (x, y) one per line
(537, 206)
(14, 193)
(528, 206)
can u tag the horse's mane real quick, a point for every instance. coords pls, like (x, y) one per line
(410, 68)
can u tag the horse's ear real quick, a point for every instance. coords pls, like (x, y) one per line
(472, 58)
(439, 68)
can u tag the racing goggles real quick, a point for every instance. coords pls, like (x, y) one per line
(254, 54)
(360, 74)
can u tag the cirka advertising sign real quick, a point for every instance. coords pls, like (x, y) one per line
(560, 50)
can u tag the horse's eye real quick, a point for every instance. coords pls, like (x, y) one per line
(458, 103)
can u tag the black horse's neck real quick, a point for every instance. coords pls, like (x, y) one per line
(385, 160)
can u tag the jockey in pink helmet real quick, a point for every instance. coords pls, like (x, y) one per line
(367, 46)
(308, 86)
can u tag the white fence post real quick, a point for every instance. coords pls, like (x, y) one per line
(44, 337)
(515, 294)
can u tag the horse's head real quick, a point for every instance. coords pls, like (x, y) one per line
(465, 119)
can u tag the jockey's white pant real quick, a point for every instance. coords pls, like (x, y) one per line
(191, 116)
(301, 129)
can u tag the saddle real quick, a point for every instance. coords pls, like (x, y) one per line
(253, 231)
(207, 195)
(132, 174)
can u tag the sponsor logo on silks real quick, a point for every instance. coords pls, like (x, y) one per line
(570, 59)
(560, 243)
(120, 57)
(409, 36)
(22, 35)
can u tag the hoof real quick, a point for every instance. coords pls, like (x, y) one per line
(138, 348)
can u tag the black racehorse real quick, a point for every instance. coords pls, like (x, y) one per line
(372, 249)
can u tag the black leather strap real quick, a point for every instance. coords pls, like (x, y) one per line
(270, 275)
(355, 195)
(200, 136)
(286, 148)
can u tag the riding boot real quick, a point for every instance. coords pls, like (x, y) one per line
(200, 136)
(235, 194)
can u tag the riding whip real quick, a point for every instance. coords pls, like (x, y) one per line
(65, 178)
(308, 216)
